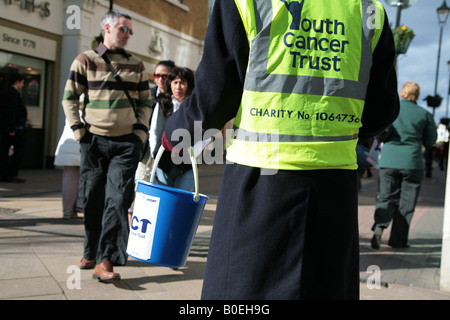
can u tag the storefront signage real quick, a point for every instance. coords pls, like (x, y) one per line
(27, 43)
(17, 41)
(32, 6)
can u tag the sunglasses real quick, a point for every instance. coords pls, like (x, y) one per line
(126, 30)
(159, 75)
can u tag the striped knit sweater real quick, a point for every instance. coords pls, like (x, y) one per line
(107, 110)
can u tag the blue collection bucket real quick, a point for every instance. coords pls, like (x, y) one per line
(165, 220)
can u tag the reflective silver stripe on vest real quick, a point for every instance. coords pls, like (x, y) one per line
(245, 135)
(258, 80)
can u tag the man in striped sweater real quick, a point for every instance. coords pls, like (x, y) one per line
(111, 131)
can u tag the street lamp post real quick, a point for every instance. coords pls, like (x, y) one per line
(442, 13)
(448, 93)
(400, 4)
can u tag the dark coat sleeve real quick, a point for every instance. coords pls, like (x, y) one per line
(219, 79)
(429, 135)
(14, 112)
(382, 104)
(10, 104)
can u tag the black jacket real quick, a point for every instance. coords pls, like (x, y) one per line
(13, 112)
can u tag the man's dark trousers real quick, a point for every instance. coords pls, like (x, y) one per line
(107, 170)
(398, 191)
(9, 166)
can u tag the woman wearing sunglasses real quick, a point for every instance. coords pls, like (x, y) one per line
(177, 87)
(162, 69)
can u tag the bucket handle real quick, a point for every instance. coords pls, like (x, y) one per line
(194, 168)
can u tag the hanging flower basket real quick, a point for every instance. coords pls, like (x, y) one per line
(402, 38)
(433, 101)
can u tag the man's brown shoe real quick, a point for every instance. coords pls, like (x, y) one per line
(104, 272)
(86, 264)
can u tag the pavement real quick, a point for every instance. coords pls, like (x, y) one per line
(39, 250)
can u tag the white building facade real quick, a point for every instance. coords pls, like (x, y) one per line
(40, 39)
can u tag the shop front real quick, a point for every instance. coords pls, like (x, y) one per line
(40, 39)
(33, 51)
(15, 49)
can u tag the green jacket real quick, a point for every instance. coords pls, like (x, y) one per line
(413, 129)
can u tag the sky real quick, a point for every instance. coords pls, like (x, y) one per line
(420, 61)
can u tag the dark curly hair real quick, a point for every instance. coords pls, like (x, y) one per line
(165, 100)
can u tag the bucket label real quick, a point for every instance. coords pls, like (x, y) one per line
(142, 229)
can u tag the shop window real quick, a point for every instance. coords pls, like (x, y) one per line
(33, 89)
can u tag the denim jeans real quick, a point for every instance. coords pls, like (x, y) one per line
(176, 179)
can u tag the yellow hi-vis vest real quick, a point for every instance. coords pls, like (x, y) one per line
(306, 82)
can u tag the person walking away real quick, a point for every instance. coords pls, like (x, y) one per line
(13, 117)
(442, 143)
(110, 140)
(286, 223)
(402, 168)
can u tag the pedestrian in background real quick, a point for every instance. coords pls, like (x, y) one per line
(286, 223)
(13, 117)
(442, 143)
(145, 164)
(162, 70)
(178, 86)
(402, 168)
(67, 155)
(111, 134)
